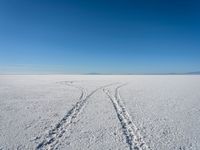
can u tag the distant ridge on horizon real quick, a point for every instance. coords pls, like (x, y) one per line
(196, 72)
(172, 73)
(96, 73)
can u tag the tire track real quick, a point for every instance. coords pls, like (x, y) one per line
(52, 138)
(131, 132)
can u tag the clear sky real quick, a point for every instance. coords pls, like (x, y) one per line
(104, 36)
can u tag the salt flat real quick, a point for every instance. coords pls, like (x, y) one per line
(81, 112)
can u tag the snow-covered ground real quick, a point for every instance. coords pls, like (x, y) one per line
(88, 112)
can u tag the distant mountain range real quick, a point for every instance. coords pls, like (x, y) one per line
(197, 72)
(96, 73)
(187, 73)
(93, 73)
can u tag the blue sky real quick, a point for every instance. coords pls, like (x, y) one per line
(104, 36)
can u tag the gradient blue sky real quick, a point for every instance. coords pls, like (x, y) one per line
(104, 36)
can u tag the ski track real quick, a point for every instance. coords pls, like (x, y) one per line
(130, 131)
(52, 138)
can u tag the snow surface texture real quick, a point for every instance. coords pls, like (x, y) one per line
(87, 112)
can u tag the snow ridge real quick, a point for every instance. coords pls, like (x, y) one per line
(52, 138)
(131, 132)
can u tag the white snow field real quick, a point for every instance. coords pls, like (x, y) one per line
(100, 112)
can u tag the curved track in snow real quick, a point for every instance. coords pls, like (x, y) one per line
(52, 138)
